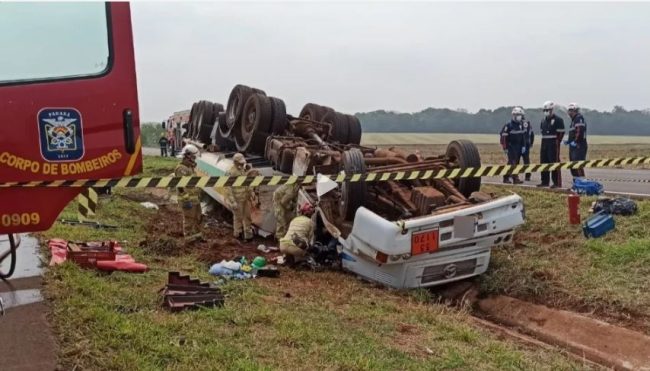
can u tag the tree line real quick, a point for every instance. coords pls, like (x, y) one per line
(443, 120)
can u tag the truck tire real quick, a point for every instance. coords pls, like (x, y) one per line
(258, 91)
(209, 122)
(236, 101)
(222, 142)
(354, 130)
(279, 122)
(192, 118)
(465, 154)
(198, 117)
(286, 161)
(353, 194)
(339, 122)
(314, 112)
(255, 124)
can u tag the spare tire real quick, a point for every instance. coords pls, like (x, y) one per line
(339, 126)
(279, 121)
(236, 101)
(354, 130)
(353, 194)
(465, 154)
(255, 124)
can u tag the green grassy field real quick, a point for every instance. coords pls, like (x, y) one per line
(383, 139)
(302, 320)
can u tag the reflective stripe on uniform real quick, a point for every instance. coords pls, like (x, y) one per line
(582, 125)
(549, 136)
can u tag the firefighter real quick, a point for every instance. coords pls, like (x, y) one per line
(577, 140)
(514, 141)
(189, 198)
(163, 142)
(240, 200)
(552, 132)
(299, 235)
(530, 139)
(284, 207)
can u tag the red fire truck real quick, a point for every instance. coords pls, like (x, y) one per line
(69, 102)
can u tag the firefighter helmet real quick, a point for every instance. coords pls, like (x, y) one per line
(573, 107)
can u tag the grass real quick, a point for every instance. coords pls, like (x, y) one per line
(444, 138)
(552, 263)
(299, 321)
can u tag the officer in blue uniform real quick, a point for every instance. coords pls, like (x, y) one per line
(514, 141)
(552, 132)
(530, 139)
(577, 141)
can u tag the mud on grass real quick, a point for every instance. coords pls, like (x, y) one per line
(551, 262)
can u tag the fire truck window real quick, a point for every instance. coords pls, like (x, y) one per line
(42, 41)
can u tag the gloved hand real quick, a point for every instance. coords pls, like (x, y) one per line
(573, 144)
(523, 150)
(566, 142)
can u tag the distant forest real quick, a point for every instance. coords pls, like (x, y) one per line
(442, 120)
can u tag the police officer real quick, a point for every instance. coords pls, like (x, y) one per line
(530, 139)
(552, 132)
(514, 141)
(577, 140)
(284, 206)
(240, 200)
(189, 199)
(296, 241)
(163, 142)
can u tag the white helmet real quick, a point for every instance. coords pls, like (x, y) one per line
(190, 150)
(573, 107)
(518, 111)
(549, 105)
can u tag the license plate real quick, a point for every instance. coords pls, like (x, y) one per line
(426, 241)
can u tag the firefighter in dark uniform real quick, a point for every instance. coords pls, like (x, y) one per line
(530, 139)
(552, 132)
(577, 140)
(514, 141)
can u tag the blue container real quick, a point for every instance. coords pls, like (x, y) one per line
(598, 224)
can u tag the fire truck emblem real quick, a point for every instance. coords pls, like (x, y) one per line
(61, 136)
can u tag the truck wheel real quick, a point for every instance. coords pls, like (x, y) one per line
(354, 130)
(279, 122)
(353, 194)
(339, 123)
(286, 161)
(236, 101)
(314, 112)
(192, 118)
(464, 153)
(255, 124)
(258, 91)
(209, 122)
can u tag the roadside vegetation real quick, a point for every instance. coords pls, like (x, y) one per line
(552, 263)
(302, 320)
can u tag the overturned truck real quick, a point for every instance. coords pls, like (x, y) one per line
(403, 233)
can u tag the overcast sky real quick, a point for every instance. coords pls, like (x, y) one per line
(359, 57)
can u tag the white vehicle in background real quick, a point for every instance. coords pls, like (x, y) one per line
(404, 232)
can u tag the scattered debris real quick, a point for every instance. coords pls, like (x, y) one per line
(149, 205)
(267, 249)
(102, 255)
(598, 225)
(240, 268)
(88, 224)
(617, 206)
(183, 292)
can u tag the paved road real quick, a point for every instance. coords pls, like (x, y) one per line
(619, 181)
(25, 333)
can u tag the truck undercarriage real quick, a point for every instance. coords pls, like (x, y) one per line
(432, 230)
